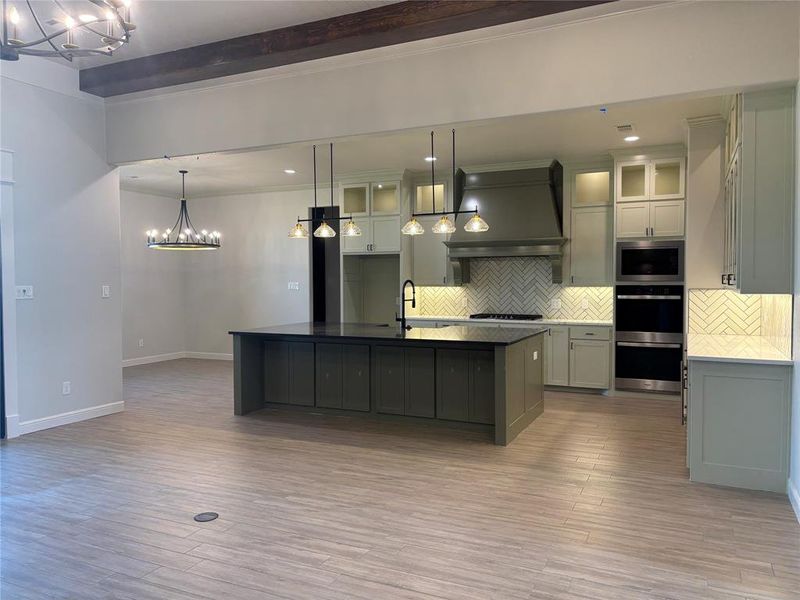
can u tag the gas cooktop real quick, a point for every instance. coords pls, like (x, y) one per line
(506, 316)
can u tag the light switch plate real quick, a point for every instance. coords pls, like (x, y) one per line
(24, 292)
(294, 286)
(105, 291)
(535, 355)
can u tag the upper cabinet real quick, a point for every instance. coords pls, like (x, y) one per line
(375, 207)
(651, 179)
(590, 224)
(759, 193)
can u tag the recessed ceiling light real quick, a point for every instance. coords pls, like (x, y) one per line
(430, 158)
(632, 138)
(289, 171)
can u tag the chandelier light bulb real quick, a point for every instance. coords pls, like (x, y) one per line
(13, 15)
(443, 225)
(413, 227)
(87, 18)
(69, 21)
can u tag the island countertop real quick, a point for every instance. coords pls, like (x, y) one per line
(457, 335)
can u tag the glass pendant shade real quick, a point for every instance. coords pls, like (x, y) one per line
(298, 232)
(443, 225)
(324, 231)
(476, 224)
(413, 227)
(350, 229)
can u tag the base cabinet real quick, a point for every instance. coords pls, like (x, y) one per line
(404, 381)
(342, 376)
(738, 424)
(286, 368)
(465, 386)
(589, 364)
(556, 356)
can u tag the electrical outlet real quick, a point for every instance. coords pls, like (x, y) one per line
(555, 304)
(464, 302)
(141, 342)
(294, 285)
(535, 355)
(585, 303)
(24, 292)
(66, 388)
(105, 291)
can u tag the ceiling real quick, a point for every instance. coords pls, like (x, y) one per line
(562, 135)
(164, 25)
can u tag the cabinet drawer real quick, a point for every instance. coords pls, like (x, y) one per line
(589, 333)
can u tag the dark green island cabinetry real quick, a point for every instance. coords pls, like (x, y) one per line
(486, 376)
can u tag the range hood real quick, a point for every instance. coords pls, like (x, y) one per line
(523, 209)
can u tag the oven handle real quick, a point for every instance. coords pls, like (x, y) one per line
(647, 345)
(646, 297)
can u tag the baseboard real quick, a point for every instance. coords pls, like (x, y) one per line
(12, 426)
(70, 417)
(794, 497)
(146, 360)
(210, 355)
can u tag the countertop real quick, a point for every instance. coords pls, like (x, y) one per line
(735, 348)
(463, 319)
(492, 336)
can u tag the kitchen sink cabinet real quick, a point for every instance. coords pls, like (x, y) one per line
(465, 386)
(556, 355)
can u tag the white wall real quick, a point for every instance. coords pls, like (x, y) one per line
(673, 49)
(794, 453)
(245, 283)
(66, 242)
(153, 282)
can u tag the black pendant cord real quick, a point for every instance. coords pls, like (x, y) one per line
(323, 219)
(314, 151)
(433, 180)
(443, 213)
(331, 174)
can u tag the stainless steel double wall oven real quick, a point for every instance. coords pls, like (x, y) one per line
(649, 312)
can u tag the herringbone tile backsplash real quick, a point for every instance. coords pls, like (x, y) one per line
(724, 312)
(516, 285)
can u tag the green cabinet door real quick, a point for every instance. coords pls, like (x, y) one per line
(452, 384)
(420, 384)
(301, 373)
(389, 380)
(329, 375)
(276, 372)
(481, 398)
(355, 377)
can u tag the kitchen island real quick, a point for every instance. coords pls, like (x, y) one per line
(486, 376)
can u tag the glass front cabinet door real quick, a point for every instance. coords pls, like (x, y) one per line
(632, 181)
(355, 199)
(667, 179)
(386, 198)
(591, 188)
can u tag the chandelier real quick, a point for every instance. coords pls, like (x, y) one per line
(444, 225)
(67, 29)
(183, 235)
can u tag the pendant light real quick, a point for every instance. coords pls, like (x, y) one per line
(444, 225)
(185, 236)
(299, 231)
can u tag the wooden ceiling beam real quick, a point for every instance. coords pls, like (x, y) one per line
(383, 26)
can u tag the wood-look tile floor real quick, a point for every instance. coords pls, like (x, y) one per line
(592, 501)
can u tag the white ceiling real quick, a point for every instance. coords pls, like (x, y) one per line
(562, 135)
(164, 25)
